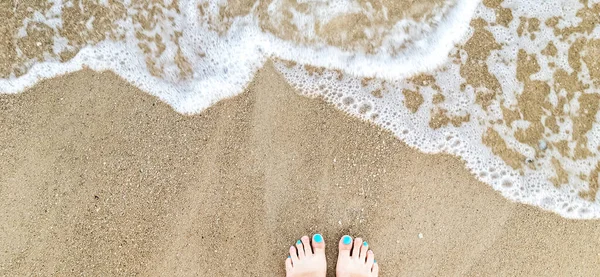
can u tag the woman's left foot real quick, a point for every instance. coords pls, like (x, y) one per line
(306, 260)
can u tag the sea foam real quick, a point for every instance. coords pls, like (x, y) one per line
(509, 86)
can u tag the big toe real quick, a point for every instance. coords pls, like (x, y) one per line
(345, 245)
(318, 244)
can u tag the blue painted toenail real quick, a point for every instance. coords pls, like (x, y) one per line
(365, 243)
(318, 238)
(347, 240)
(298, 242)
(289, 256)
(374, 261)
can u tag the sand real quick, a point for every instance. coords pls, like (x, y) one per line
(99, 178)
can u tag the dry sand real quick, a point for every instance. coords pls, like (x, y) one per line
(99, 178)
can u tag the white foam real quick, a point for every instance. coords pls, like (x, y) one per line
(426, 54)
(231, 60)
(222, 61)
(533, 186)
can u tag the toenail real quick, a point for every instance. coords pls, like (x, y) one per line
(374, 261)
(298, 242)
(318, 238)
(365, 243)
(347, 240)
(289, 256)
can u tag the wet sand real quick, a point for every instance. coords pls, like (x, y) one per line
(99, 178)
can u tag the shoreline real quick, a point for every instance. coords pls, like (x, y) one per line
(100, 177)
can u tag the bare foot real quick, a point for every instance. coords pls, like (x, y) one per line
(307, 261)
(361, 263)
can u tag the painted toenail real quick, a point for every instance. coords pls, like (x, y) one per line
(289, 256)
(318, 238)
(298, 242)
(347, 240)
(365, 243)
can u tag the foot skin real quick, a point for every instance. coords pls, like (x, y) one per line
(355, 259)
(306, 260)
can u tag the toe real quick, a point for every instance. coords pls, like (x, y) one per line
(306, 244)
(370, 258)
(363, 251)
(318, 244)
(356, 248)
(375, 270)
(293, 254)
(288, 264)
(345, 245)
(300, 249)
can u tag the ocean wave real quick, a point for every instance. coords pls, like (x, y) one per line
(509, 86)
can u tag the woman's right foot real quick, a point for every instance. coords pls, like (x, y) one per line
(355, 259)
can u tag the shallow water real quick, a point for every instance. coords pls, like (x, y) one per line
(509, 86)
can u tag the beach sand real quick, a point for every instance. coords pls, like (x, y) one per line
(99, 178)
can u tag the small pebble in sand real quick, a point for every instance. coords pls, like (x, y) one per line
(420, 235)
(542, 145)
(528, 160)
